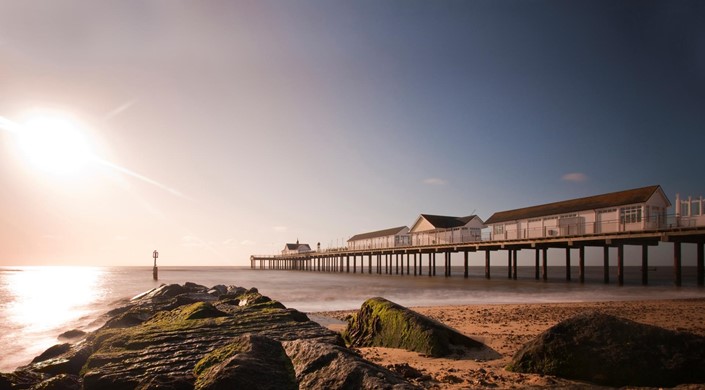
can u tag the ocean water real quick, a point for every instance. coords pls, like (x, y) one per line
(39, 303)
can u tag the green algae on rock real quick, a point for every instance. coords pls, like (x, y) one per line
(382, 323)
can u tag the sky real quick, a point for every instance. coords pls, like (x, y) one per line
(221, 129)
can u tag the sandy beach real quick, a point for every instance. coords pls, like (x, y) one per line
(505, 328)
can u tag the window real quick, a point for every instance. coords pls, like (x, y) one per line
(630, 214)
(568, 216)
(606, 211)
(685, 210)
(498, 229)
(695, 208)
(535, 220)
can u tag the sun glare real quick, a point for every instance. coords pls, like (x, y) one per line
(54, 144)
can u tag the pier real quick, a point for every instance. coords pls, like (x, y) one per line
(421, 259)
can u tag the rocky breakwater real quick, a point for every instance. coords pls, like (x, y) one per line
(193, 337)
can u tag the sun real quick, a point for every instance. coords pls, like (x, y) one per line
(54, 143)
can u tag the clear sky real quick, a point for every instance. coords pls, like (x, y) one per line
(227, 128)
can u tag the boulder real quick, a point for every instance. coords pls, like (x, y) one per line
(249, 362)
(382, 323)
(327, 366)
(613, 351)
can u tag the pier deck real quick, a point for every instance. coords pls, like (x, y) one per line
(391, 259)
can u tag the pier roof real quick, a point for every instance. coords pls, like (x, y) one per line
(447, 222)
(378, 233)
(613, 199)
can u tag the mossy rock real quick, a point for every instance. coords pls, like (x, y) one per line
(382, 323)
(613, 351)
(249, 362)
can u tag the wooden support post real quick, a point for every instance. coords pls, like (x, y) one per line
(537, 261)
(677, 263)
(448, 254)
(544, 270)
(429, 263)
(620, 264)
(354, 264)
(415, 262)
(701, 264)
(408, 263)
(434, 263)
(514, 264)
(581, 264)
(397, 263)
(606, 264)
(369, 264)
(347, 263)
(465, 264)
(509, 263)
(567, 264)
(487, 264)
(644, 264)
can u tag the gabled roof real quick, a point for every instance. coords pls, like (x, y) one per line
(446, 222)
(613, 199)
(296, 246)
(378, 233)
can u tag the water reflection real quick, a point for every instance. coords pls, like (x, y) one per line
(44, 298)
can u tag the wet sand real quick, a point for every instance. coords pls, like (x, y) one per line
(505, 328)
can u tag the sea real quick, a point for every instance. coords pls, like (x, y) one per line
(39, 303)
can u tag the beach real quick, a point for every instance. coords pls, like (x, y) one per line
(505, 328)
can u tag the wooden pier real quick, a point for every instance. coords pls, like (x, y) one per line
(391, 260)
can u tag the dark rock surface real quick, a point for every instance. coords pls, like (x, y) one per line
(185, 337)
(612, 351)
(382, 323)
(72, 334)
(320, 365)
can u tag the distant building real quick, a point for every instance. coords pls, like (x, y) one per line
(630, 210)
(689, 212)
(387, 238)
(439, 229)
(290, 249)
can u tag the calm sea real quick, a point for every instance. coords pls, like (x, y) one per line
(39, 303)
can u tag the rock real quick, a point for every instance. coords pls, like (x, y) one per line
(249, 362)
(52, 351)
(327, 366)
(382, 323)
(60, 382)
(72, 334)
(164, 340)
(235, 290)
(405, 370)
(612, 351)
(69, 362)
(218, 290)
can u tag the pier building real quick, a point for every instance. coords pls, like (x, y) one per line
(387, 238)
(439, 229)
(631, 210)
(290, 249)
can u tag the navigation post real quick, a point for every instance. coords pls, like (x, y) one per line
(155, 275)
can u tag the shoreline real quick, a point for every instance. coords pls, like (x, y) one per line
(505, 328)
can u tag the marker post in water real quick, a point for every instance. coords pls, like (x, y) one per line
(155, 275)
